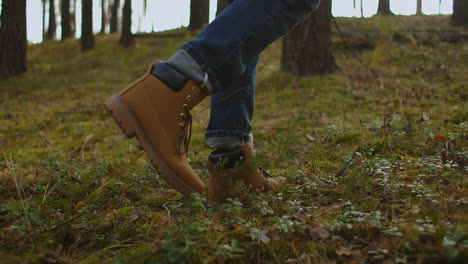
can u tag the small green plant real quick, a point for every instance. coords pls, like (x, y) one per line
(230, 251)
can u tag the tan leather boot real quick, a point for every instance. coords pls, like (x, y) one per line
(222, 180)
(157, 113)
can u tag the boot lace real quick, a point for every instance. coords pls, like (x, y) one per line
(183, 140)
(185, 134)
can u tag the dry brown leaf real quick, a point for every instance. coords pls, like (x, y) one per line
(262, 236)
(415, 209)
(318, 231)
(80, 205)
(344, 251)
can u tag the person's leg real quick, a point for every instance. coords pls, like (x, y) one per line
(156, 107)
(231, 113)
(222, 52)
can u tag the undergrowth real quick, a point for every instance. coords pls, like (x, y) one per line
(374, 156)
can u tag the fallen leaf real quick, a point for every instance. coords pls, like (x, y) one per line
(262, 236)
(310, 138)
(318, 232)
(415, 209)
(89, 140)
(344, 251)
(439, 138)
(80, 205)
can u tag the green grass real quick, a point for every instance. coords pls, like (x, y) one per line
(374, 155)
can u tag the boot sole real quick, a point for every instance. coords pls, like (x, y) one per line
(131, 127)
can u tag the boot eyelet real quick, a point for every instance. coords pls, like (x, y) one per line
(194, 88)
(181, 125)
(185, 105)
(182, 114)
(189, 97)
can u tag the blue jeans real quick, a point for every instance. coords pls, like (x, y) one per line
(227, 53)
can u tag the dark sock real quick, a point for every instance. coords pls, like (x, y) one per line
(227, 158)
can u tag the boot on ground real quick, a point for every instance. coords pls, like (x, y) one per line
(155, 110)
(228, 168)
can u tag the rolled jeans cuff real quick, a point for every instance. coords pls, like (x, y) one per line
(190, 67)
(227, 139)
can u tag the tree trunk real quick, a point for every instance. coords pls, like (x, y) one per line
(73, 18)
(307, 49)
(114, 16)
(43, 20)
(384, 8)
(419, 7)
(126, 38)
(103, 17)
(52, 24)
(87, 36)
(221, 5)
(13, 38)
(362, 9)
(460, 13)
(66, 20)
(354, 7)
(199, 13)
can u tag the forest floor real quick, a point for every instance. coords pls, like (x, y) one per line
(375, 158)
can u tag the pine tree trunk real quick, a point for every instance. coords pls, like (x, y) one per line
(460, 13)
(362, 9)
(419, 7)
(87, 36)
(73, 18)
(13, 38)
(384, 8)
(199, 13)
(221, 5)
(52, 23)
(43, 20)
(126, 38)
(307, 49)
(114, 16)
(103, 17)
(66, 20)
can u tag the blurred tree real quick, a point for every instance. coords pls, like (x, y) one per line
(13, 38)
(103, 17)
(354, 5)
(126, 38)
(384, 8)
(460, 13)
(66, 19)
(362, 9)
(221, 5)
(307, 49)
(87, 36)
(418, 7)
(114, 22)
(52, 23)
(199, 13)
(73, 17)
(43, 20)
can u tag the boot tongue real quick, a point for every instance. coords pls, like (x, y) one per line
(227, 158)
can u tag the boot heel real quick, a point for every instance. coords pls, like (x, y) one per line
(121, 114)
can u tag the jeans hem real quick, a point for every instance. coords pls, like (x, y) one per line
(227, 133)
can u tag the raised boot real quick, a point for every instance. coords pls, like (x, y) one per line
(236, 166)
(155, 110)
